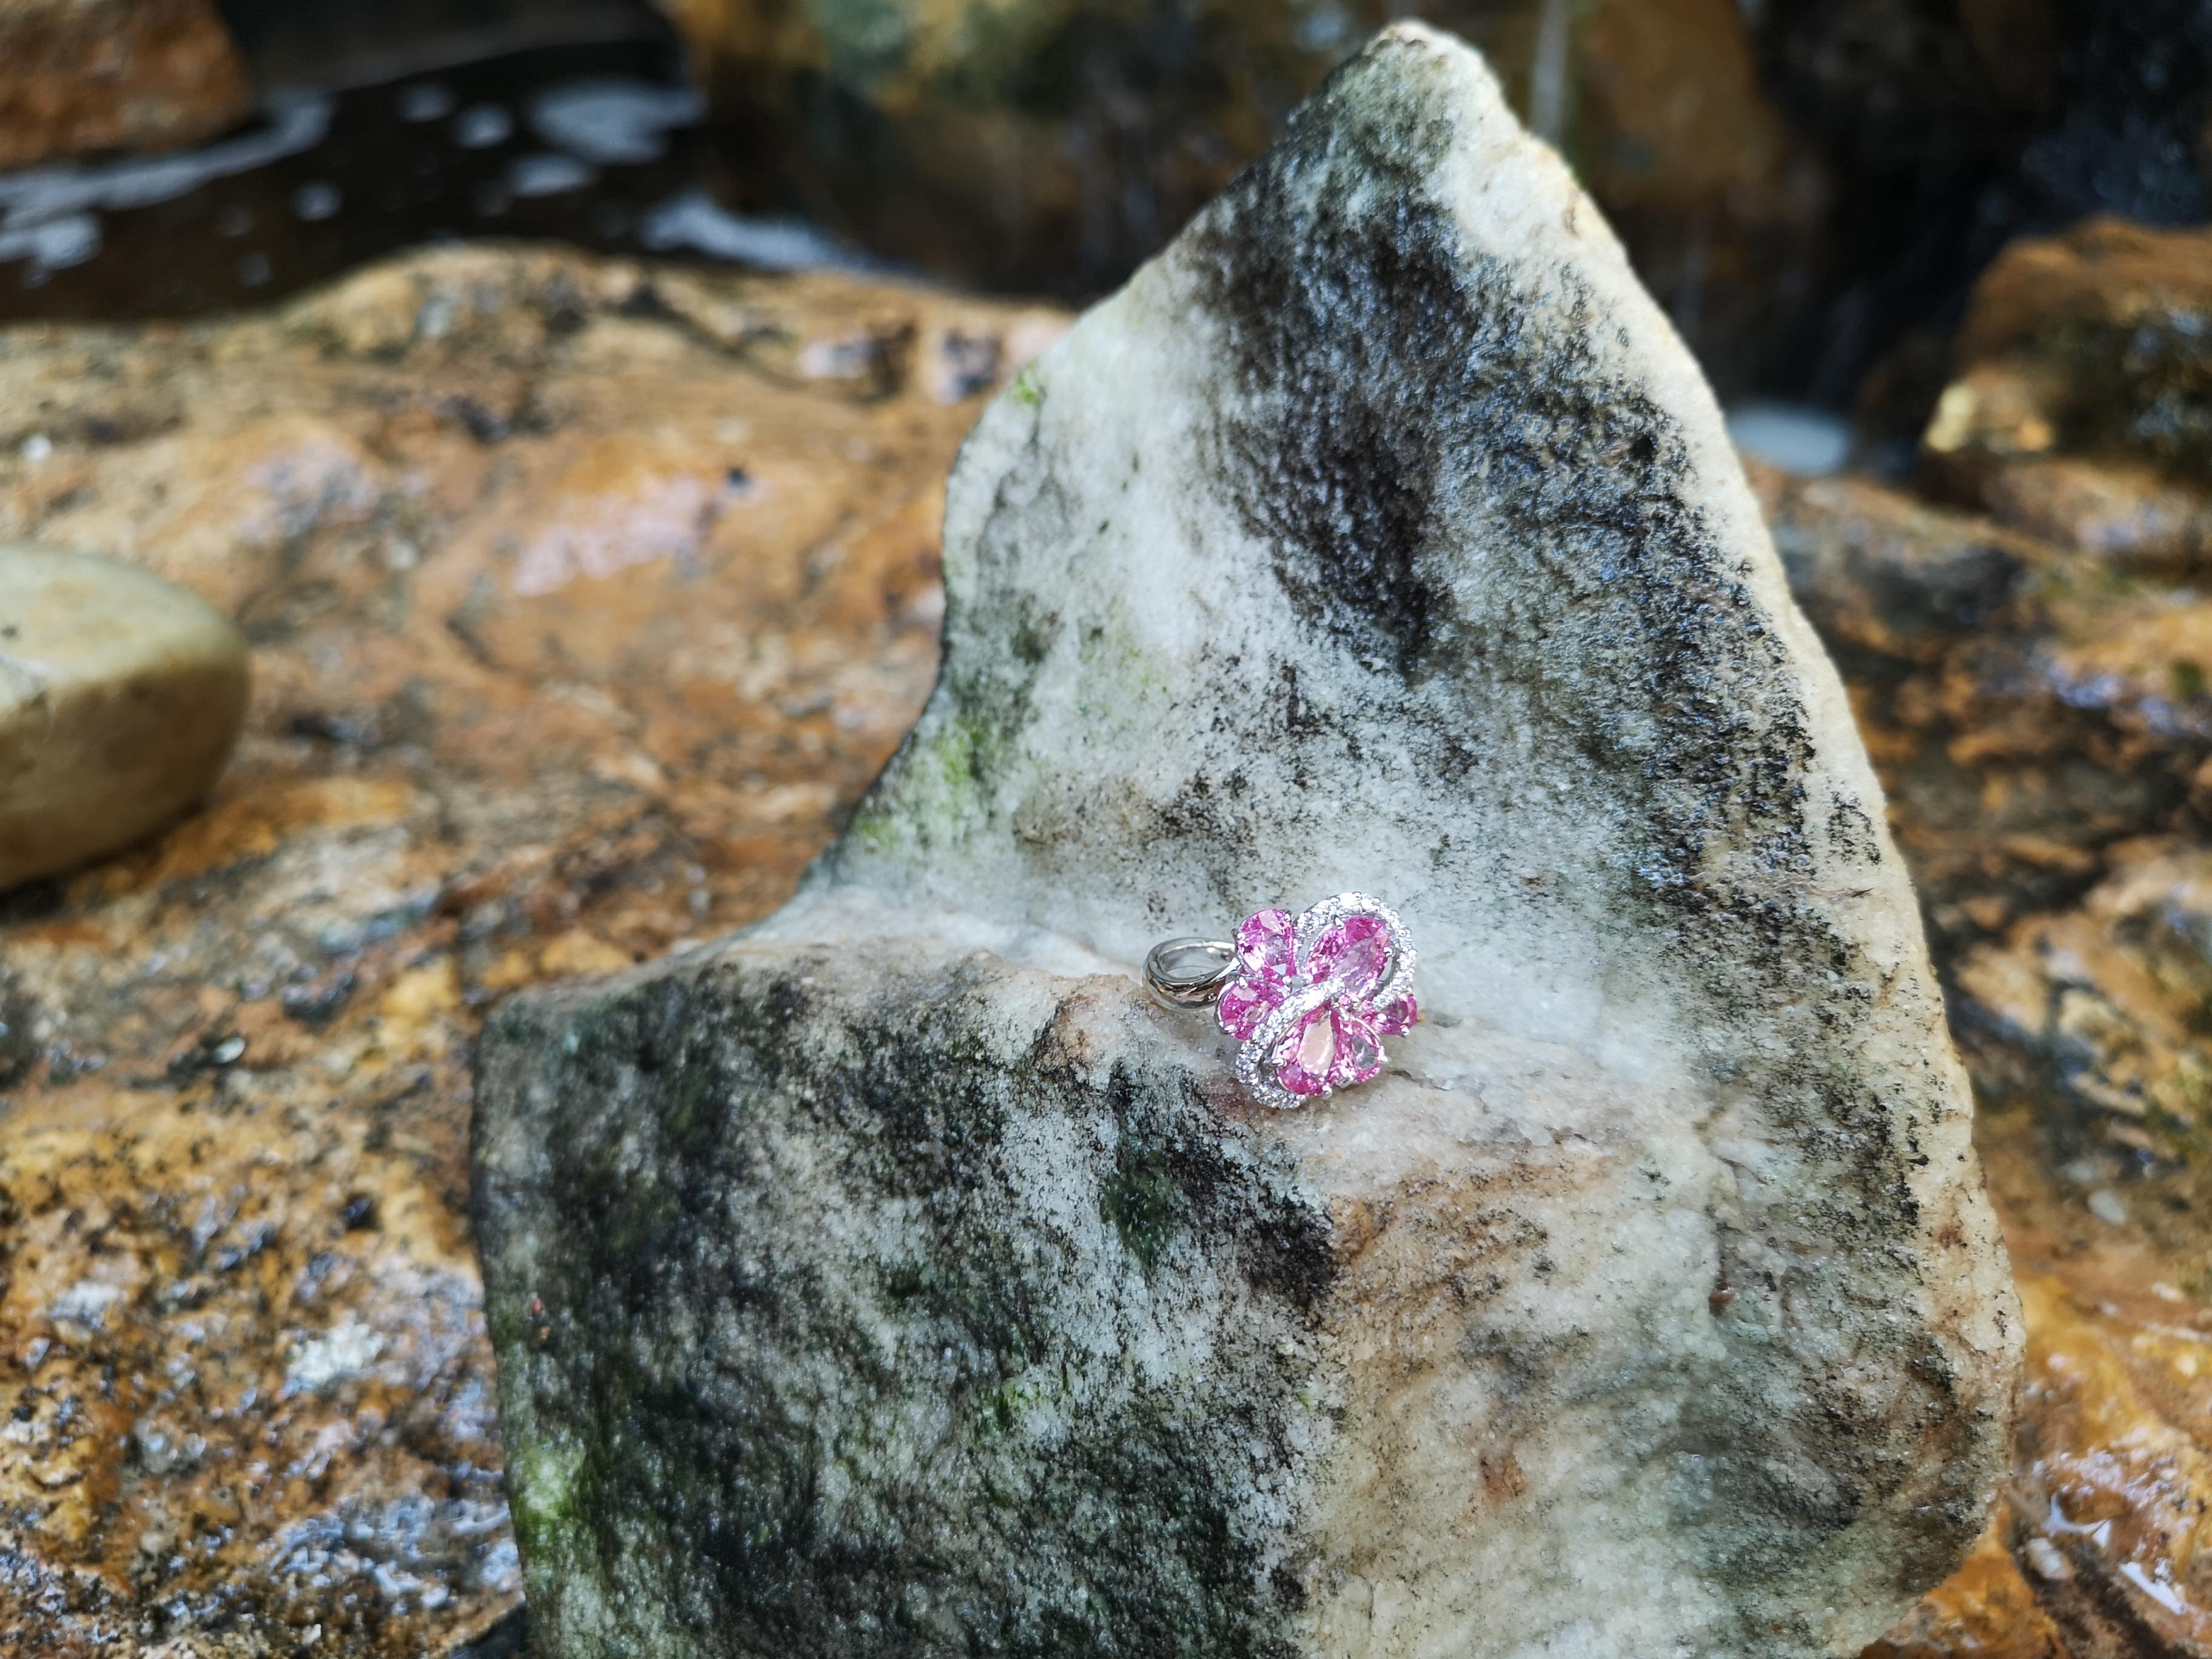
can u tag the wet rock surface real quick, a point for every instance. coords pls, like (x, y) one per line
(119, 699)
(79, 76)
(583, 598)
(223, 1223)
(2036, 706)
(894, 1278)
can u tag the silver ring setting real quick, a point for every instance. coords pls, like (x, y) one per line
(1189, 973)
(1308, 998)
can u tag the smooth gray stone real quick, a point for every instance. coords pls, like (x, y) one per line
(895, 1280)
(120, 697)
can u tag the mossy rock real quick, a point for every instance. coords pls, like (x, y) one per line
(895, 1280)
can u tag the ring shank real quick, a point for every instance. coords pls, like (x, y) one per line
(1189, 973)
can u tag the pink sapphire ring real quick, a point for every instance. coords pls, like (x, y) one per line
(1308, 998)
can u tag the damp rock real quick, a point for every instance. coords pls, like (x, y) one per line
(2030, 711)
(2041, 723)
(1886, 579)
(895, 1278)
(2113, 1470)
(86, 75)
(2082, 408)
(2093, 1017)
(234, 1089)
(120, 696)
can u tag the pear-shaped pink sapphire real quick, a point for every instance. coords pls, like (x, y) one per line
(1352, 956)
(1266, 946)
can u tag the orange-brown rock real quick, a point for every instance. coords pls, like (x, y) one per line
(1985, 1610)
(2086, 1031)
(2094, 1016)
(2082, 407)
(2029, 709)
(2114, 1471)
(2039, 727)
(583, 598)
(2104, 277)
(77, 76)
(2100, 1551)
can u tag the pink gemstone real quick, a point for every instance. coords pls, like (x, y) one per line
(1351, 955)
(1359, 1053)
(1396, 1017)
(1264, 946)
(1308, 1055)
(1243, 1006)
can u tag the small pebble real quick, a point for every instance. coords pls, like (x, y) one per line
(120, 696)
(2045, 1562)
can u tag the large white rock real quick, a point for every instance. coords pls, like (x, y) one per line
(895, 1280)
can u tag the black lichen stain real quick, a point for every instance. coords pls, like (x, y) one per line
(1460, 492)
(1396, 393)
(1141, 1202)
(804, 1431)
(19, 1038)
